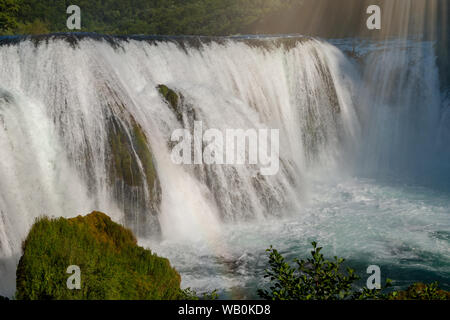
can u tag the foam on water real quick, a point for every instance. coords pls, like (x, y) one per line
(404, 229)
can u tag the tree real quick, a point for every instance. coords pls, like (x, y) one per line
(8, 14)
(164, 17)
(35, 27)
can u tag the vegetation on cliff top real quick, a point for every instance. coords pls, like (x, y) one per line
(8, 12)
(112, 265)
(168, 17)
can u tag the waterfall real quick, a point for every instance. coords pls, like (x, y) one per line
(84, 127)
(404, 107)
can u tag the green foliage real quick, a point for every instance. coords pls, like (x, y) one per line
(112, 265)
(34, 28)
(421, 291)
(373, 294)
(189, 294)
(319, 279)
(8, 13)
(313, 279)
(168, 17)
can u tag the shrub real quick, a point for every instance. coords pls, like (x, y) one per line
(421, 291)
(314, 279)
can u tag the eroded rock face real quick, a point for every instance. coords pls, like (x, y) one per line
(131, 170)
(133, 175)
(111, 264)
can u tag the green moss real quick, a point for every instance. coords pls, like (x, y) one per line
(124, 165)
(127, 150)
(112, 265)
(171, 98)
(141, 146)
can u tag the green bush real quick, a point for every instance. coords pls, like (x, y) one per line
(313, 279)
(112, 265)
(319, 279)
(8, 15)
(421, 291)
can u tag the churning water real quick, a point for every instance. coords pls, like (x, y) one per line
(364, 151)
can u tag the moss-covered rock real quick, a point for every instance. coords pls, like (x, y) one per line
(112, 265)
(144, 154)
(124, 165)
(133, 175)
(172, 99)
(128, 149)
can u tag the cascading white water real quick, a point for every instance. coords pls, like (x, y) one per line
(56, 101)
(404, 108)
(67, 110)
